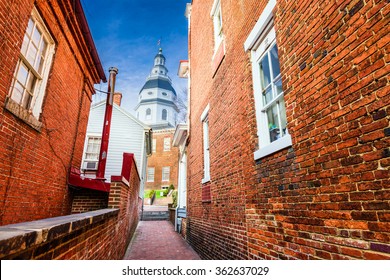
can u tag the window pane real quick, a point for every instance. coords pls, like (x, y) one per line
(273, 122)
(154, 145)
(93, 148)
(22, 74)
(275, 61)
(283, 118)
(267, 95)
(150, 176)
(41, 58)
(30, 27)
(165, 173)
(25, 44)
(17, 92)
(278, 86)
(36, 36)
(164, 114)
(265, 78)
(167, 144)
(31, 54)
(26, 100)
(31, 83)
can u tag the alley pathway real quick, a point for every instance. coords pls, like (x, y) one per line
(157, 240)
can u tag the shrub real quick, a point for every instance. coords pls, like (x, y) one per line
(174, 199)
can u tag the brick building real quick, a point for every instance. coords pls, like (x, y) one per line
(163, 163)
(49, 65)
(288, 154)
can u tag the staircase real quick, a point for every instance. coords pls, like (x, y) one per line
(155, 216)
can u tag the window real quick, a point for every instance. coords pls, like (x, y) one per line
(148, 114)
(154, 145)
(91, 157)
(267, 84)
(164, 114)
(167, 144)
(165, 94)
(216, 15)
(150, 175)
(206, 147)
(32, 69)
(165, 173)
(150, 93)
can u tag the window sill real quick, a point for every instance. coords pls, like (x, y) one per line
(273, 147)
(205, 180)
(22, 114)
(218, 56)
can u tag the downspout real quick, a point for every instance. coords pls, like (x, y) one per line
(107, 124)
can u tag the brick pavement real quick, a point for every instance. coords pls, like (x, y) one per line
(157, 240)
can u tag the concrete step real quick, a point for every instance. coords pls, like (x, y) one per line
(155, 215)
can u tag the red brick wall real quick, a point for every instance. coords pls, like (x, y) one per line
(102, 234)
(125, 198)
(85, 200)
(161, 158)
(33, 163)
(327, 196)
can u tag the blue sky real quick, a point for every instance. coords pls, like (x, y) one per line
(126, 33)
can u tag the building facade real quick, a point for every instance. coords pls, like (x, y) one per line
(127, 135)
(157, 108)
(288, 148)
(49, 65)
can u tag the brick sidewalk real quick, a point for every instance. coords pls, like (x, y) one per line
(157, 240)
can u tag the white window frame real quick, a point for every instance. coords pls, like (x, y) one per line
(165, 174)
(154, 143)
(167, 144)
(150, 174)
(259, 42)
(216, 15)
(206, 144)
(34, 106)
(86, 160)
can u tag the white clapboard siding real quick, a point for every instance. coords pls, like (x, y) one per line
(127, 135)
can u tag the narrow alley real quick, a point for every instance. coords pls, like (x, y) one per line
(157, 240)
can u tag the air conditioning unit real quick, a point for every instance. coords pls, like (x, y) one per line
(90, 165)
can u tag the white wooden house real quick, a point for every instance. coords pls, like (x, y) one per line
(127, 135)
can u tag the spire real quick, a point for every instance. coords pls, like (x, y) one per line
(159, 59)
(159, 69)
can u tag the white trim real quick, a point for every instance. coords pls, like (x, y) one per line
(205, 180)
(261, 24)
(214, 7)
(205, 113)
(167, 172)
(206, 144)
(147, 174)
(273, 147)
(259, 41)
